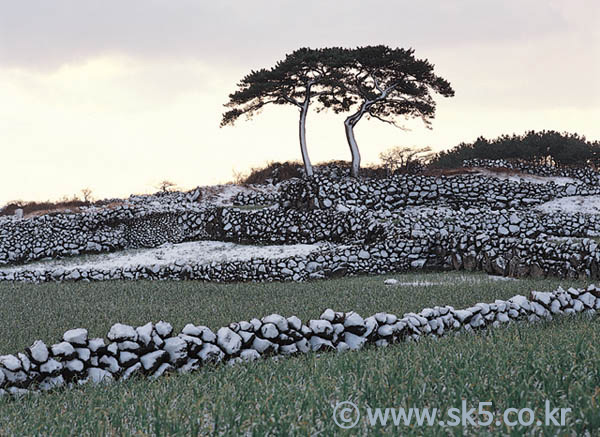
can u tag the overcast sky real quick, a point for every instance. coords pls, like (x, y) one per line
(119, 95)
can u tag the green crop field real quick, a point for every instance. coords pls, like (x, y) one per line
(514, 367)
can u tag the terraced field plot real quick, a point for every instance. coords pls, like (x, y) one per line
(516, 367)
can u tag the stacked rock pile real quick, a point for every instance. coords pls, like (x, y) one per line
(255, 198)
(152, 350)
(168, 198)
(363, 215)
(126, 227)
(329, 261)
(521, 257)
(54, 236)
(275, 226)
(587, 175)
(153, 230)
(514, 256)
(495, 223)
(96, 230)
(409, 190)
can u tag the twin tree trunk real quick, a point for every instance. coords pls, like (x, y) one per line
(302, 127)
(349, 124)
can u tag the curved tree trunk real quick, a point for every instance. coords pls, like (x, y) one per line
(349, 127)
(303, 149)
(308, 169)
(349, 124)
(352, 120)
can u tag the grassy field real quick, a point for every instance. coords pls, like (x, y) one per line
(519, 366)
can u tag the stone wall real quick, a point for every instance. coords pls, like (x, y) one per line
(68, 234)
(522, 257)
(380, 225)
(587, 175)
(152, 350)
(331, 261)
(502, 223)
(406, 190)
(279, 226)
(60, 235)
(506, 256)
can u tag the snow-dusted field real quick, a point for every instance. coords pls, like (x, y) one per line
(573, 204)
(523, 177)
(223, 195)
(196, 252)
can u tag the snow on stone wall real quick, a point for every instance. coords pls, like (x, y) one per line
(68, 234)
(326, 262)
(152, 350)
(506, 256)
(515, 243)
(516, 257)
(416, 222)
(409, 190)
(382, 225)
(57, 235)
(280, 226)
(587, 175)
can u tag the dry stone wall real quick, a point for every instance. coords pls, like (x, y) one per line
(506, 256)
(276, 225)
(68, 234)
(587, 175)
(511, 243)
(330, 261)
(61, 235)
(374, 225)
(407, 190)
(153, 350)
(502, 223)
(522, 257)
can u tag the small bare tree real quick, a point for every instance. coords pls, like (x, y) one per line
(87, 195)
(166, 186)
(403, 158)
(238, 177)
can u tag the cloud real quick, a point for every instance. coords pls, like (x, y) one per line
(118, 95)
(120, 125)
(43, 34)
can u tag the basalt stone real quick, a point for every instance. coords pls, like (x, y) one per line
(97, 375)
(38, 352)
(269, 331)
(63, 350)
(77, 337)
(229, 341)
(176, 347)
(120, 332)
(210, 353)
(153, 360)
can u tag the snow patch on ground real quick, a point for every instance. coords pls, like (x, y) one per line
(572, 204)
(196, 252)
(454, 280)
(523, 177)
(223, 195)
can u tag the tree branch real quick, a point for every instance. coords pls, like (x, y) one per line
(377, 86)
(392, 122)
(292, 101)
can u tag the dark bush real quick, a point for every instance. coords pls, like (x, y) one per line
(545, 147)
(274, 171)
